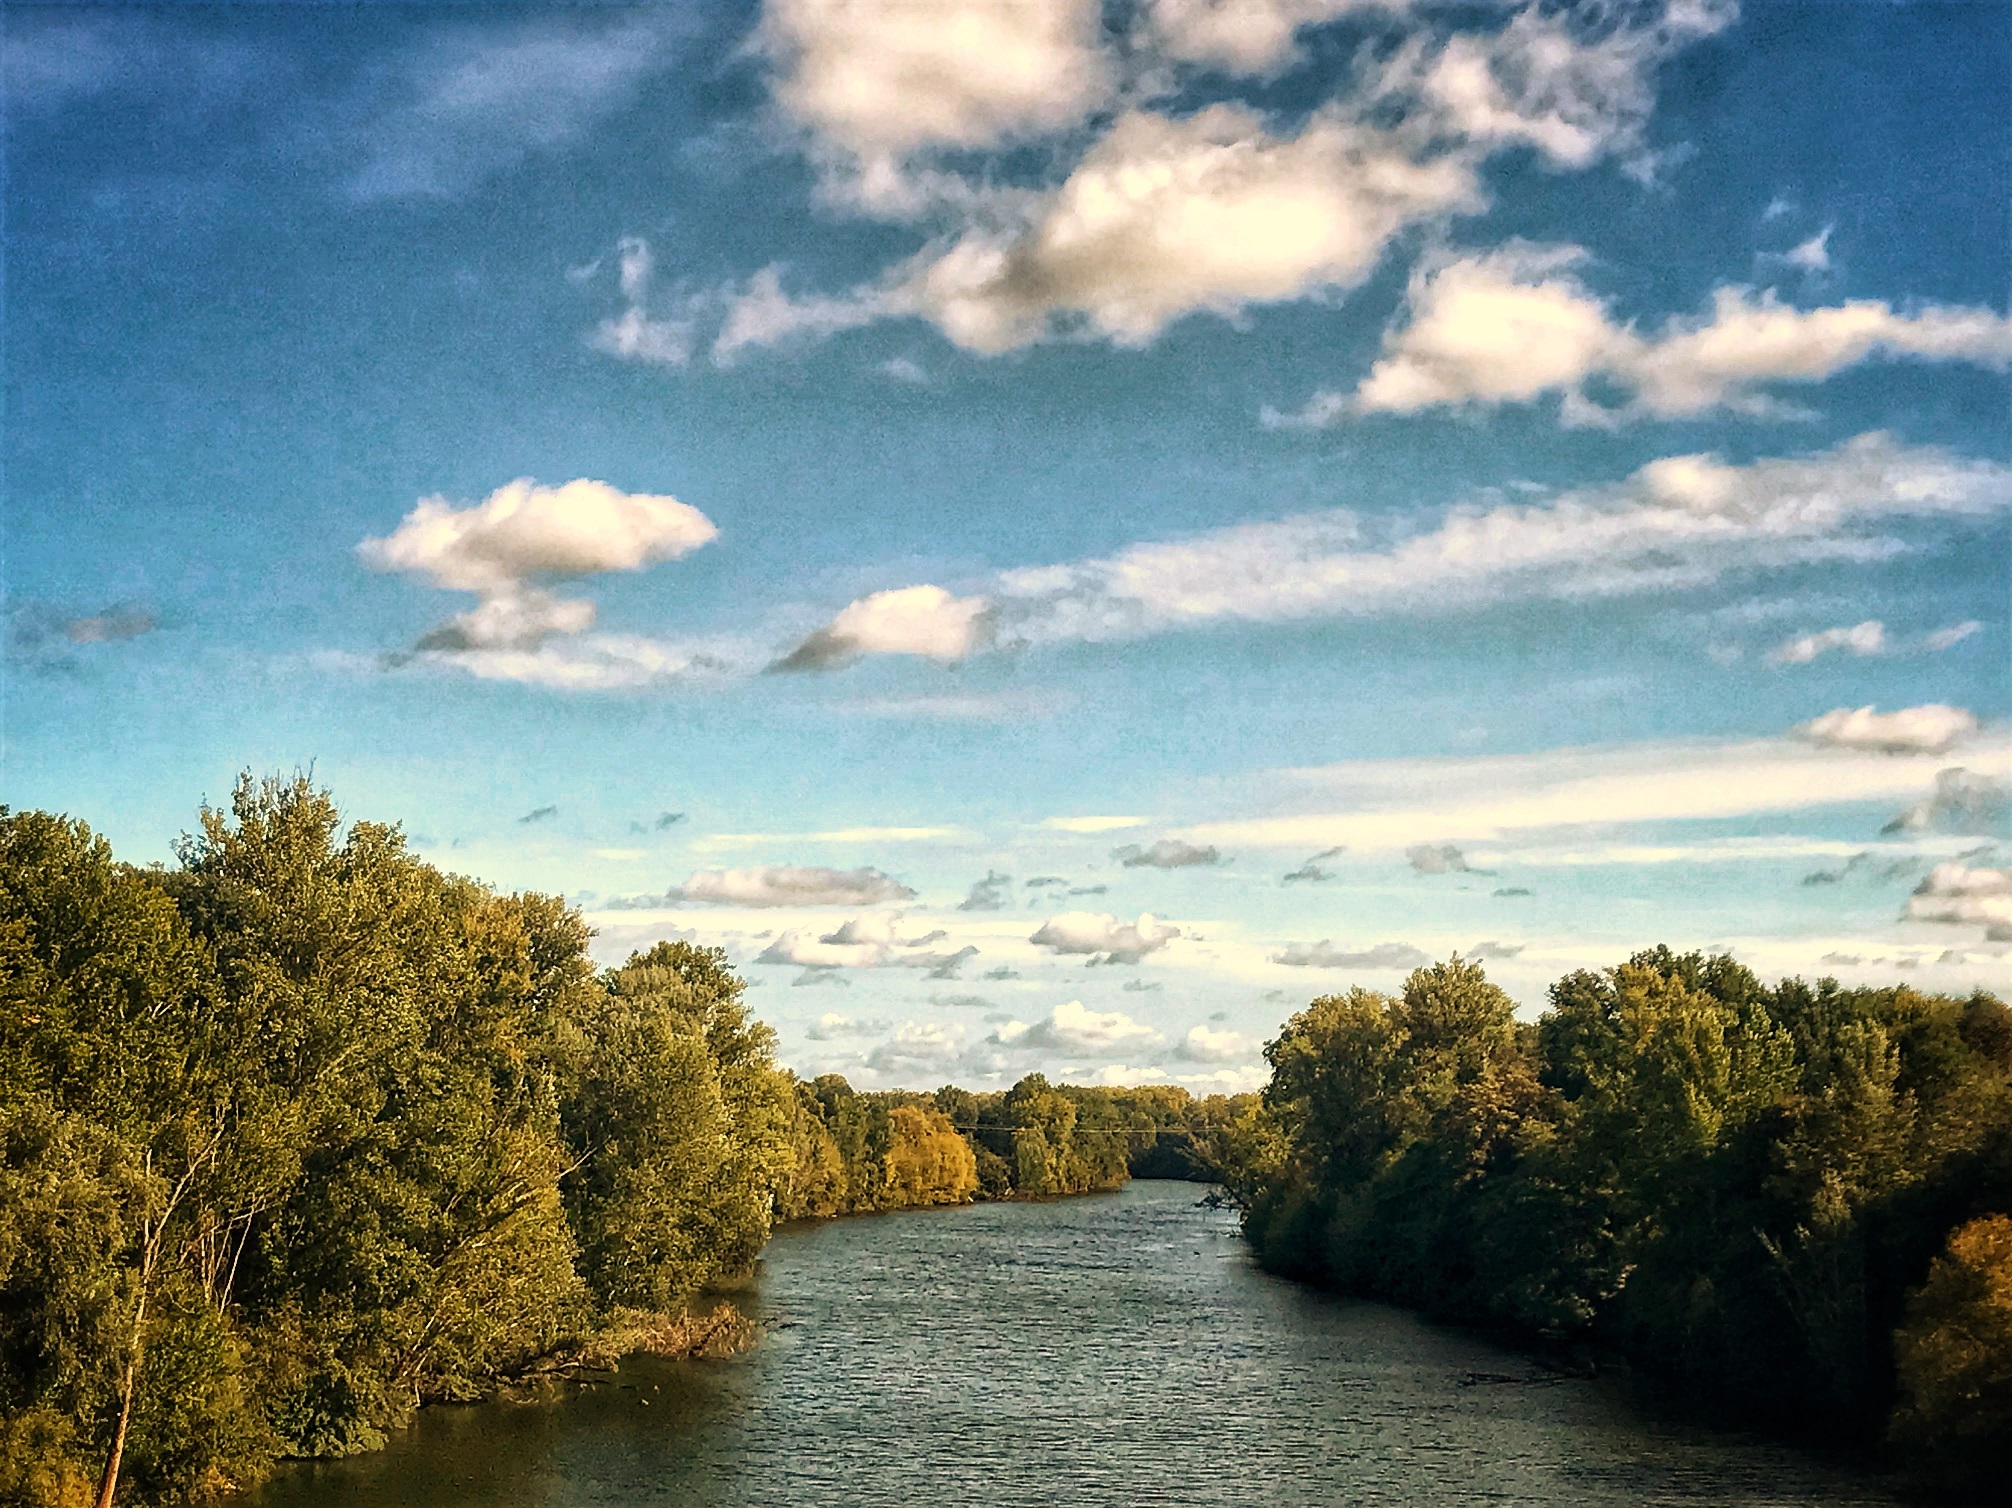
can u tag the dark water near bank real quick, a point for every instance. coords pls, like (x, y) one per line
(1113, 1350)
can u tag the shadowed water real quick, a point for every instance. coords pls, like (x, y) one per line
(1118, 1349)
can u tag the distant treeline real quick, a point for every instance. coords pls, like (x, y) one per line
(303, 1133)
(854, 1152)
(1790, 1203)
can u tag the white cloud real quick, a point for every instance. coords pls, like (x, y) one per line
(1381, 805)
(915, 620)
(1143, 216)
(1103, 937)
(1325, 955)
(1437, 858)
(1092, 824)
(833, 1027)
(1166, 217)
(591, 662)
(1248, 37)
(762, 314)
(1510, 325)
(869, 942)
(792, 885)
(1948, 638)
(928, 1047)
(1812, 255)
(1928, 729)
(1678, 522)
(1504, 327)
(1957, 895)
(1545, 82)
(1867, 638)
(1168, 853)
(522, 532)
(1074, 1028)
(1204, 1044)
(884, 78)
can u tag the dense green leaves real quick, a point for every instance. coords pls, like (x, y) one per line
(305, 1133)
(1736, 1185)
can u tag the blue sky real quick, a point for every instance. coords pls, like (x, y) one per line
(1055, 532)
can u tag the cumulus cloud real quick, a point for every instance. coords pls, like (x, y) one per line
(1073, 1027)
(1510, 325)
(1325, 955)
(519, 536)
(927, 1047)
(1437, 858)
(1867, 638)
(1312, 872)
(1152, 215)
(1170, 216)
(1102, 937)
(915, 620)
(1958, 895)
(880, 79)
(522, 532)
(1482, 952)
(1203, 1045)
(833, 1027)
(1168, 853)
(1927, 729)
(1962, 801)
(1511, 892)
(868, 942)
(1249, 37)
(792, 885)
(989, 894)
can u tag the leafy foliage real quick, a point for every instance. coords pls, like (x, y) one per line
(305, 1133)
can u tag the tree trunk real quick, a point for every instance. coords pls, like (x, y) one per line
(110, 1481)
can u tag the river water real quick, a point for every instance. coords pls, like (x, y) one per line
(1115, 1349)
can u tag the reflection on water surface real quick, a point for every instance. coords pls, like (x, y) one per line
(1116, 1349)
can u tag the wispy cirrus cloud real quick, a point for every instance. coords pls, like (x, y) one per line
(468, 102)
(766, 885)
(1382, 806)
(1680, 522)
(1325, 955)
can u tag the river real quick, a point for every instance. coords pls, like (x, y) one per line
(1116, 1349)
